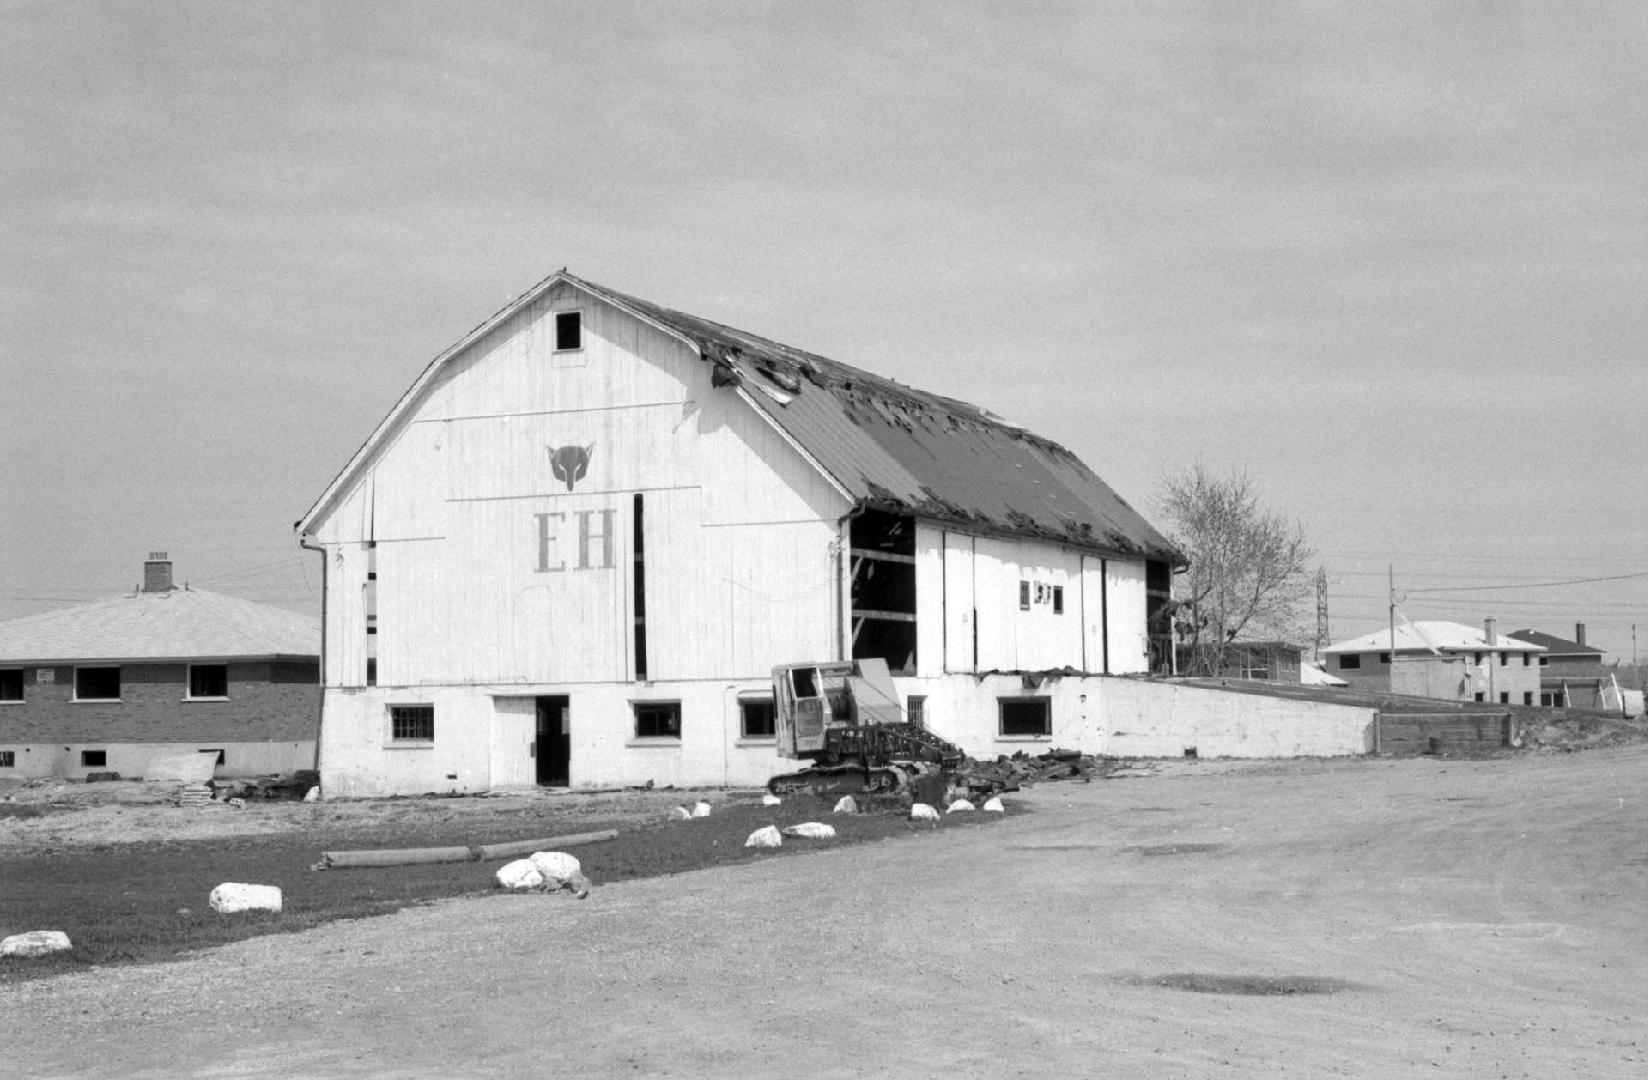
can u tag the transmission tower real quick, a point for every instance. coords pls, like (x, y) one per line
(1321, 611)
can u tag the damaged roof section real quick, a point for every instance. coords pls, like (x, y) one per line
(906, 451)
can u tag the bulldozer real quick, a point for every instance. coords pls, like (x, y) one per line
(844, 717)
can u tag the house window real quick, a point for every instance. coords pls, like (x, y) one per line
(1058, 599)
(1350, 661)
(1527, 659)
(1026, 716)
(1504, 697)
(8, 759)
(1480, 696)
(915, 710)
(11, 684)
(1384, 658)
(94, 759)
(569, 331)
(1024, 596)
(1478, 659)
(1504, 659)
(757, 718)
(412, 723)
(1527, 697)
(97, 684)
(1544, 661)
(208, 680)
(657, 719)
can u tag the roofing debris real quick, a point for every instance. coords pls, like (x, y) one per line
(1021, 770)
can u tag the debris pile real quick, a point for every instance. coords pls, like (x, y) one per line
(1020, 770)
(292, 786)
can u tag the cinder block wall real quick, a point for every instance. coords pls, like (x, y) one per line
(268, 702)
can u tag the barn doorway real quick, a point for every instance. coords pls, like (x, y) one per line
(554, 745)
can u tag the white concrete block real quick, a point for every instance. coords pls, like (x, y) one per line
(701, 809)
(520, 874)
(233, 897)
(993, 805)
(767, 836)
(35, 943)
(812, 830)
(960, 806)
(846, 805)
(922, 812)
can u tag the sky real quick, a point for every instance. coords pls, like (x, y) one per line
(1388, 260)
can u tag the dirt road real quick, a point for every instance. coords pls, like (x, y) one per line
(1419, 917)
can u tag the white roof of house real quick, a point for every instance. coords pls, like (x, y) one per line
(182, 624)
(1425, 635)
(1311, 675)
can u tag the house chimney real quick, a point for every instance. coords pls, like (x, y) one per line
(1579, 632)
(157, 573)
(1488, 631)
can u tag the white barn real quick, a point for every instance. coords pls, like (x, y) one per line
(575, 548)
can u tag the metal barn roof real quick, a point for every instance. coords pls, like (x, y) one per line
(885, 445)
(181, 624)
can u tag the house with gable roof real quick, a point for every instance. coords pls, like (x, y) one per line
(1571, 673)
(573, 551)
(1440, 659)
(122, 684)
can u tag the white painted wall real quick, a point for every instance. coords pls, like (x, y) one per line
(484, 735)
(1123, 717)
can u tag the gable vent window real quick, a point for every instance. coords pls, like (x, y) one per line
(569, 331)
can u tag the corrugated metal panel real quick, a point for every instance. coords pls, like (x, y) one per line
(183, 623)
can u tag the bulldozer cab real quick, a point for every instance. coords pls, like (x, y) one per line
(810, 699)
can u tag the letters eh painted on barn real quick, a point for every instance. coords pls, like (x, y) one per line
(573, 551)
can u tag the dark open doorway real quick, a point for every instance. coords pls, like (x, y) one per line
(554, 741)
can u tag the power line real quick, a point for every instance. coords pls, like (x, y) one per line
(1536, 584)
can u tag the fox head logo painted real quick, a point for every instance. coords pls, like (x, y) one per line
(570, 463)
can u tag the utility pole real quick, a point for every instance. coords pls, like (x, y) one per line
(1322, 611)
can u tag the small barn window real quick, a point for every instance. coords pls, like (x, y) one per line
(8, 759)
(97, 684)
(208, 681)
(1026, 716)
(757, 718)
(657, 719)
(94, 759)
(1058, 599)
(1024, 596)
(11, 684)
(915, 710)
(412, 723)
(569, 331)
(1527, 697)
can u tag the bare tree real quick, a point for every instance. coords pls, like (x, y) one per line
(1249, 567)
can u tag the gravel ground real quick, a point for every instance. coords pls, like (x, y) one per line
(1369, 918)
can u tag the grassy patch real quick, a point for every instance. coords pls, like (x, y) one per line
(145, 903)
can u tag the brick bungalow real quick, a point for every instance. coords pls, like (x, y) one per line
(118, 685)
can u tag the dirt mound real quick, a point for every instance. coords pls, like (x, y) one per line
(1568, 729)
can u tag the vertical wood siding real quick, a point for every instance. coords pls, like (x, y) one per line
(491, 572)
(1129, 642)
